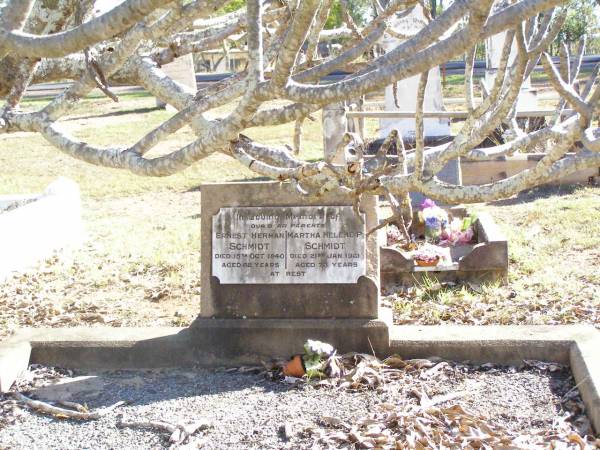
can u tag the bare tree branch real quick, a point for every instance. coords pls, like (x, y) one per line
(130, 43)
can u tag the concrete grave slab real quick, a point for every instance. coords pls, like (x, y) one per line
(32, 227)
(584, 359)
(14, 359)
(484, 261)
(234, 342)
(107, 347)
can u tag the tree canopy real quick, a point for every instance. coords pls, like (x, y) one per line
(62, 39)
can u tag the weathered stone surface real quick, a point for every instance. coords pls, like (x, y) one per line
(585, 365)
(298, 300)
(484, 262)
(289, 245)
(107, 348)
(239, 342)
(503, 344)
(33, 231)
(14, 359)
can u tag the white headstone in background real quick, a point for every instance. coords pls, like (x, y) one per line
(527, 99)
(182, 71)
(407, 88)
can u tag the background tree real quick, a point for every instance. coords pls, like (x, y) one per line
(582, 20)
(48, 40)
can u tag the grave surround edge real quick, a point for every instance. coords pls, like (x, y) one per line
(153, 347)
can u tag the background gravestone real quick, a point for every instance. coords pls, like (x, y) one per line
(434, 129)
(527, 99)
(181, 71)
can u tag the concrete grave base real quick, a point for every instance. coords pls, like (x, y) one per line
(14, 360)
(237, 342)
(484, 261)
(107, 348)
(136, 348)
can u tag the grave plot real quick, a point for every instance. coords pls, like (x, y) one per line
(381, 404)
(463, 248)
(261, 300)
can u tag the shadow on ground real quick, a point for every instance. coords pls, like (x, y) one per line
(145, 387)
(117, 113)
(539, 193)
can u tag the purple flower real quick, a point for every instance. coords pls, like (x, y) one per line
(427, 203)
(432, 222)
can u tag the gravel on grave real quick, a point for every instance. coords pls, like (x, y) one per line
(249, 411)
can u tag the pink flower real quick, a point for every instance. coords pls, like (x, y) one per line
(427, 203)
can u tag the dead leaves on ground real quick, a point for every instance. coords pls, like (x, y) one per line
(432, 303)
(439, 427)
(79, 291)
(356, 371)
(426, 422)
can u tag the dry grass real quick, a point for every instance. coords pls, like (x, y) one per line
(30, 163)
(140, 265)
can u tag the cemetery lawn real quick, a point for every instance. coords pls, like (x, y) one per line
(140, 265)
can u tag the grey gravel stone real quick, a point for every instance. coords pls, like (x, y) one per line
(249, 411)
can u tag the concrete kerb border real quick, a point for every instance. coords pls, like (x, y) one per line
(137, 348)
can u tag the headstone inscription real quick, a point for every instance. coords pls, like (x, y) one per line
(311, 244)
(279, 268)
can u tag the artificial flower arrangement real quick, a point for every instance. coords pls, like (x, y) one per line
(312, 362)
(394, 236)
(428, 255)
(441, 231)
(459, 232)
(434, 218)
